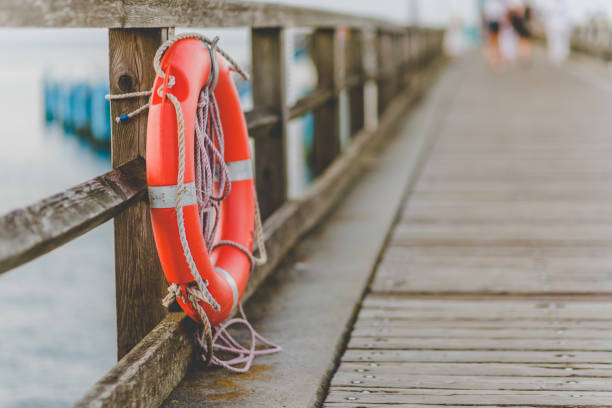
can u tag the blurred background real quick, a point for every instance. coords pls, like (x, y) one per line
(58, 312)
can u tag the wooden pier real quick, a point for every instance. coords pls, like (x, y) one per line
(456, 252)
(494, 288)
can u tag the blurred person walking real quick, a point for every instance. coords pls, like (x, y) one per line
(493, 12)
(558, 31)
(519, 16)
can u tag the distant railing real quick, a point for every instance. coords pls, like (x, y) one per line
(594, 38)
(340, 47)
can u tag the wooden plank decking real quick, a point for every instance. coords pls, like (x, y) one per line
(495, 287)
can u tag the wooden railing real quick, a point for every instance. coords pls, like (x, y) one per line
(594, 39)
(155, 347)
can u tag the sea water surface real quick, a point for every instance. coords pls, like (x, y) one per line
(57, 313)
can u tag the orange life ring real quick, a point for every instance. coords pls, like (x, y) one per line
(226, 268)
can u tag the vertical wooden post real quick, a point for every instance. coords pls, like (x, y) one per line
(355, 69)
(396, 63)
(406, 58)
(326, 144)
(423, 47)
(385, 70)
(139, 279)
(268, 82)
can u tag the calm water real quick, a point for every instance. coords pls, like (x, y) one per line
(57, 319)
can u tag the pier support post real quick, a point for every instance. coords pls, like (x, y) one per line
(385, 70)
(355, 71)
(269, 91)
(139, 279)
(326, 54)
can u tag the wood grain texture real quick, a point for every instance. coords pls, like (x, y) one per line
(32, 231)
(269, 91)
(139, 278)
(494, 289)
(160, 13)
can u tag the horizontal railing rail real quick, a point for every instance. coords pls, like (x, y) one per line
(32, 231)
(349, 53)
(184, 13)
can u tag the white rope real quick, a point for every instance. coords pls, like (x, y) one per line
(180, 190)
(259, 235)
(194, 296)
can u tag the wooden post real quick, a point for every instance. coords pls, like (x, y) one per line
(268, 82)
(355, 69)
(396, 64)
(139, 279)
(406, 58)
(385, 70)
(326, 144)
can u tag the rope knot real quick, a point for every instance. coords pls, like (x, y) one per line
(174, 292)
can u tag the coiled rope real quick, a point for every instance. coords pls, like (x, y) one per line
(209, 161)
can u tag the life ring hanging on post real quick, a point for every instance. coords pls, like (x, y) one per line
(186, 67)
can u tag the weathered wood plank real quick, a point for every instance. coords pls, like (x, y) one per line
(32, 231)
(310, 102)
(470, 397)
(480, 369)
(477, 356)
(456, 310)
(492, 324)
(347, 404)
(495, 233)
(423, 208)
(535, 273)
(574, 330)
(268, 81)
(191, 13)
(139, 278)
(515, 343)
(463, 382)
(260, 118)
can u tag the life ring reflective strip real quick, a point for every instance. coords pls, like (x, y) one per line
(165, 196)
(226, 268)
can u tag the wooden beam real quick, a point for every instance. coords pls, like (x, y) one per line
(161, 13)
(326, 145)
(139, 278)
(269, 91)
(32, 231)
(260, 118)
(310, 102)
